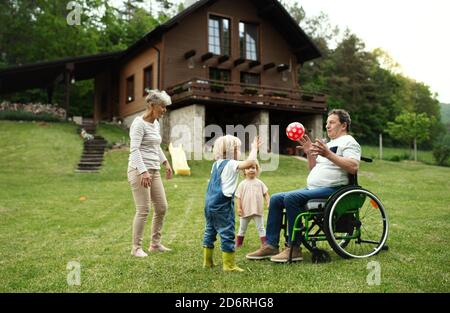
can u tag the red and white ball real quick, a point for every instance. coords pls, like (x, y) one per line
(295, 131)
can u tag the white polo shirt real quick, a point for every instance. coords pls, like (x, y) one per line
(328, 174)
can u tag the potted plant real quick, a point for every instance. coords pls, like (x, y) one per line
(250, 91)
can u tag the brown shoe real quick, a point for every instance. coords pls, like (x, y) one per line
(283, 256)
(264, 252)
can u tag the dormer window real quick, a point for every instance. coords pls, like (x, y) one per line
(248, 39)
(219, 35)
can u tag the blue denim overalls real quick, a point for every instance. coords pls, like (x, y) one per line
(219, 212)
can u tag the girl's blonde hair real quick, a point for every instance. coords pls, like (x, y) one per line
(225, 146)
(258, 169)
(156, 96)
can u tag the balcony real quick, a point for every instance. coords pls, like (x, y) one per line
(203, 91)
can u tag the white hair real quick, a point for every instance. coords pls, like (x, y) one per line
(225, 146)
(156, 96)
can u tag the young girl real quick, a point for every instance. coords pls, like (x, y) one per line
(219, 204)
(250, 195)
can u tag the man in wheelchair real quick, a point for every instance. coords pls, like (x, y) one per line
(329, 166)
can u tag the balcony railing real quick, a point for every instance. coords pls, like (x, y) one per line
(199, 90)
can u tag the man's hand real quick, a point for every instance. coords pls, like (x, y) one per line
(319, 148)
(146, 180)
(240, 212)
(305, 144)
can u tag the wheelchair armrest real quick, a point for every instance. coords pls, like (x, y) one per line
(316, 204)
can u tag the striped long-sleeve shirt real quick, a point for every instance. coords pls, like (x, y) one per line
(145, 149)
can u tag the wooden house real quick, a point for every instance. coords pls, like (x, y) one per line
(224, 62)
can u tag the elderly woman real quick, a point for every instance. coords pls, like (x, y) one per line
(144, 163)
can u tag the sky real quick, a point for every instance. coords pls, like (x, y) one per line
(412, 32)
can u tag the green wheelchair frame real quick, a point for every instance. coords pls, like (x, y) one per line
(352, 220)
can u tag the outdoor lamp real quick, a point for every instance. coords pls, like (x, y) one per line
(190, 63)
(283, 68)
(189, 56)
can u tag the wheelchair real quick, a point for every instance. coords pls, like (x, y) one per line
(352, 220)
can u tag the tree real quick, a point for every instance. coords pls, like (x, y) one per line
(441, 149)
(411, 128)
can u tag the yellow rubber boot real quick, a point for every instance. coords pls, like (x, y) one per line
(208, 257)
(229, 264)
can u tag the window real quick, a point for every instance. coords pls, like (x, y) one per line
(219, 35)
(148, 78)
(248, 39)
(130, 89)
(250, 78)
(219, 74)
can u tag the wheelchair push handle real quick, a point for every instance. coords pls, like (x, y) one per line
(368, 160)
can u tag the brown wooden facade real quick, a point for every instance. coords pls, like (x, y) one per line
(166, 55)
(177, 57)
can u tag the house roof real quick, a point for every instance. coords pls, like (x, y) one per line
(44, 74)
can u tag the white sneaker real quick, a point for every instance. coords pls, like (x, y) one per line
(158, 248)
(139, 253)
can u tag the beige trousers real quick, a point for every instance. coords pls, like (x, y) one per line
(142, 197)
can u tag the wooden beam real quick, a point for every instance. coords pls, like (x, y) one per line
(207, 56)
(238, 61)
(267, 9)
(223, 58)
(282, 67)
(67, 92)
(268, 66)
(50, 90)
(253, 64)
(300, 49)
(189, 54)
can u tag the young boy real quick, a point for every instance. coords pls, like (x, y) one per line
(219, 204)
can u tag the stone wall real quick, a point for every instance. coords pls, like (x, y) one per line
(187, 126)
(262, 122)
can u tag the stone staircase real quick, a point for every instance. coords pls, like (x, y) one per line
(93, 150)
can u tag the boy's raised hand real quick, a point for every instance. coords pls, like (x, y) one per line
(256, 143)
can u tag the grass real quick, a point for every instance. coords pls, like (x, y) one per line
(112, 133)
(398, 154)
(44, 224)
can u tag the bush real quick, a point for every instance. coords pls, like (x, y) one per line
(250, 91)
(28, 116)
(400, 157)
(441, 149)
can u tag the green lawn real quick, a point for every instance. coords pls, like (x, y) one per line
(396, 154)
(44, 225)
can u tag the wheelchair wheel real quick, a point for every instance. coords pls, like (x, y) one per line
(356, 223)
